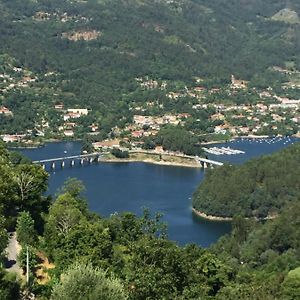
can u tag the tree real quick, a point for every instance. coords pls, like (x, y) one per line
(118, 153)
(30, 182)
(291, 285)
(9, 287)
(154, 270)
(148, 144)
(64, 214)
(72, 186)
(3, 235)
(7, 195)
(84, 282)
(33, 258)
(87, 145)
(17, 158)
(26, 233)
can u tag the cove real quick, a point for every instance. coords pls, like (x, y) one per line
(119, 187)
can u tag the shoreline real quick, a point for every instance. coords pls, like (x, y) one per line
(218, 142)
(227, 219)
(149, 161)
(54, 140)
(210, 217)
(254, 137)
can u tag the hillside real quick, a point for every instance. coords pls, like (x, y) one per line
(266, 257)
(259, 188)
(93, 52)
(167, 39)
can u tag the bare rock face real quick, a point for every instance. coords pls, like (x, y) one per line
(81, 35)
(286, 15)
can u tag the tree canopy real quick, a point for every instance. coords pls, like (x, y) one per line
(259, 188)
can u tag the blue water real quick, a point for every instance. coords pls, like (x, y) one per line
(118, 187)
(252, 147)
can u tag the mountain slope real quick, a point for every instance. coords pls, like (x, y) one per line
(95, 49)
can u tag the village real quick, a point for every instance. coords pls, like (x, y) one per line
(267, 114)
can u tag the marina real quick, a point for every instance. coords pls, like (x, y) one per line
(223, 151)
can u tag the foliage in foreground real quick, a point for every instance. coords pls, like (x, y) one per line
(130, 257)
(83, 282)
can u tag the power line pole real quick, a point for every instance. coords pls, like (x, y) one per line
(27, 266)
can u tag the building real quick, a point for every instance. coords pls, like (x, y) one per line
(59, 106)
(238, 84)
(137, 133)
(69, 133)
(5, 111)
(12, 138)
(79, 111)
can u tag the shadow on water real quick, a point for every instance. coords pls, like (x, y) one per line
(213, 227)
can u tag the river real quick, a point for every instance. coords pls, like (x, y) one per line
(118, 187)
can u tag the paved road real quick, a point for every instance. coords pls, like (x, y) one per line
(12, 251)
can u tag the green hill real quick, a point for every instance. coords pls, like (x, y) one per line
(259, 188)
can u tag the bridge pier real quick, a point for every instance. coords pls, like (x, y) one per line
(43, 166)
(63, 164)
(91, 160)
(72, 163)
(53, 166)
(81, 161)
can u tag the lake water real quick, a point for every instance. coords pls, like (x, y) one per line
(118, 187)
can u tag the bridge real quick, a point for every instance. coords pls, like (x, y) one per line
(96, 157)
(208, 162)
(92, 157)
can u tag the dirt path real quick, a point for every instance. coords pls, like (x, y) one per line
(12, 251)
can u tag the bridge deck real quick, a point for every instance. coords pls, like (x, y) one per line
(209, 161)
(66, 157)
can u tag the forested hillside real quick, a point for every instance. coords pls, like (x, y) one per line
(265, 255)
(259, 188)
(91, 52)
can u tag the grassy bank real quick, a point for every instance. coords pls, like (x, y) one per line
(161, 159)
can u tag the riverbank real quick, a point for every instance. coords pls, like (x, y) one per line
(25, 146)
(210, 217)
(217, 142)
(37, 144)
(250, 136)
(158, 159)
(227, 219)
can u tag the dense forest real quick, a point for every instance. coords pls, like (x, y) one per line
(259, 188)
(91, 52)
(76, 254)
